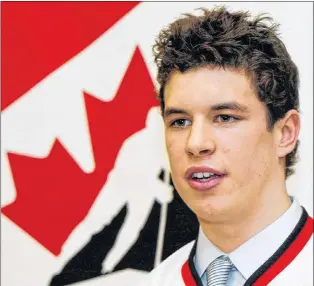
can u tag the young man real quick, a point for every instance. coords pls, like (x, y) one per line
(229, 99)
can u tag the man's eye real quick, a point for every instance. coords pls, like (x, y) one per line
(226, 118)
(180, 123)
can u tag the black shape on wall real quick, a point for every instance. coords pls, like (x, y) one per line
(141, 256)
(181, 228)
(87, 262)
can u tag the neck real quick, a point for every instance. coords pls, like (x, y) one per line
(229, 235)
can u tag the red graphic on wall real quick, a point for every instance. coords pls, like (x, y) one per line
(39, 37)
(54, 194)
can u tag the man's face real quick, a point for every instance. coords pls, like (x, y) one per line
(215, 126)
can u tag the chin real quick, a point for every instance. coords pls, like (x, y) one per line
(213, 208)
(206, 203)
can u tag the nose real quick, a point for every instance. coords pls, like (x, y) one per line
(200, 141)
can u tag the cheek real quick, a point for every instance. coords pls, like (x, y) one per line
(175, 149)
(248, 156)
(175, 145)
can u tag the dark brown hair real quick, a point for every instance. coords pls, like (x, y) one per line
(226, 39)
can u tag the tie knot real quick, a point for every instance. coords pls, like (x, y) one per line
(224, 258)
(218, 271)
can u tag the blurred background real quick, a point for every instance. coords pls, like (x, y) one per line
(86, 192)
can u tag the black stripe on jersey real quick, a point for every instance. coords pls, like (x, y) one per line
(194, 273)
(291, 238)
(262, 269)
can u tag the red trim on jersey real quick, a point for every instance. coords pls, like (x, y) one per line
(187, 275)
(287, 257)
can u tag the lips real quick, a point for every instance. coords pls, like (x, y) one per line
(204, 178)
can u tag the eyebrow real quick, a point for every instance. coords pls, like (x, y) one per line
(221, 106)
(229, 105)
(170, 111)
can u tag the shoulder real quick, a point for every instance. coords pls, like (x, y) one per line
(169, 271)
(300, 270)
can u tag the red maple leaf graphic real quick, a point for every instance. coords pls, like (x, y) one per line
(38, 37)
(54, 194)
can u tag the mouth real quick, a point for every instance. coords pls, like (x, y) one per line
(204, 178)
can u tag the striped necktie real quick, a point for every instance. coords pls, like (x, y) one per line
(218, 271)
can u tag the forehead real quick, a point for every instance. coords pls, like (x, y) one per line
(207, 86)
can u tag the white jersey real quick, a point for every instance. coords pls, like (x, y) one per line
(291, 264)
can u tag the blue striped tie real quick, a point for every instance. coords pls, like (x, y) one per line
(218, 271)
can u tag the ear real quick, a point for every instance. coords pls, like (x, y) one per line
(288, 131)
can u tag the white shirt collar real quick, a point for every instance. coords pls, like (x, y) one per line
(255, 250)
